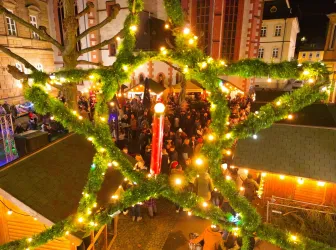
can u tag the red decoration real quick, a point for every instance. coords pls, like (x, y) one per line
(157, 143)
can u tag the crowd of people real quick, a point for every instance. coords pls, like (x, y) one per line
(185, 129)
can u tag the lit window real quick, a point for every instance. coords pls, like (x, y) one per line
(33, 21)
(275, 53)
(303, 55)
(261, 53)
(39, 67)
(263, 31)
(317, 54)
(310, 56)
(277, 30)
(11, 26)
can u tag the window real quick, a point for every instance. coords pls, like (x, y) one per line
(310, 56)
(33, 21)
(317, 54)
(113, 49)
(161, 78)
(11, 26)
(39, 67)
(263, 31)
(202, 22)
(141, 78)
(261, 53)
(303, 55)
(277, 30)
(110, 5)
(275, 53)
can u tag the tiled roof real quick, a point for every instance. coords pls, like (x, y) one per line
(293, 150)
(51, 181)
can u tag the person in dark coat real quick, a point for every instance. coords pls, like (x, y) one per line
(173, 155)
(165, 162)
(189, 126)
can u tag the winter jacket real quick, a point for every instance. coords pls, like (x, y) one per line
(212, 240)
(204, 186)
(165, 164)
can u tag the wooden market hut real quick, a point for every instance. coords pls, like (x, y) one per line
(45, 187)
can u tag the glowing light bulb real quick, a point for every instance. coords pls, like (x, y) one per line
(164, 52)
(189, 213)
(215, 189)
(186, 69)
(67, 233)
(167, 26)
(320, 183)
(293, 238)
(102, 119)
(91, 77)
(228, 136)
(290, 117)
(191, 41)
(62, 79)
(204, 204)
(80, 117)
(300, 181)
(203, 65)
(29, 239)
(224, 166)
(186, 31)
(118, 38)
(228, 152)
(80, 219)
(115, 197)
(324, 89)
(102, 150)
(278, 103)
(263, 174)
(246, 171)
(159, 108)
(241, 188)
(74, 112)
(133, 28)
(162, 48)
(311, 80)
(116, 164)
(112, 104)
(282, 177)
(255, 136)
(35, 218)
(94, 204)
(211, 137)
(90, 139)
(52, 118)
(222, 62)
(89, 212)
(125, 68)
(109, 164)
(269, 80)
(228, 177)
(9, 212)
(306, 72)
(210, 60)
(178, 181)
(199, 161)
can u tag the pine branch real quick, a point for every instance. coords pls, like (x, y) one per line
(100, 45)
(40, 31)
(115, 11)
(89, 6)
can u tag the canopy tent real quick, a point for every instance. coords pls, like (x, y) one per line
(191, 86)
(154, 87)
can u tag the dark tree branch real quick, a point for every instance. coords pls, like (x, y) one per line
(100, 45)
(27, 64)
(40, 32)
(115, 11)
(89, 63)
(89, 6)
(174, 67)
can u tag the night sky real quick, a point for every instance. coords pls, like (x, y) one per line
(312, 16)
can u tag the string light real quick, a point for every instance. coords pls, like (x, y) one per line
(300, 181)
(278, 103)
(112, 104)
(186, 31)
(74, 112)
(246, 171)
(282, 177)
(167, 26)
(102, 150)
(189, 213)
(228, 152)
(90, 138)
(133, 28)
(255, 136)
(80, 117)
(67, 233)
(211, 137)
(222, 62)
(204, 204)
(52, 118)
(204, 65)
(228, 177)
(306, 72)
(320, 183)
(29, 239)
(228, 136)
(224, 166)
(102, 119)
(116, 164)
(178, 181)
(199, 161)
(191, 41)
(263, 174)
(9, 212)
(115, 197)
(290, 117)
(311, 80)
(91, 77)
(125, 68)
(118, 38)
(95, 204)
(241, 188)
(293, 237)
(210, 60)
(80, 219)
(186, 69)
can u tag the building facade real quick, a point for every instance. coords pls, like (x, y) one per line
(278, 32)
(23, 42)
(330, 53)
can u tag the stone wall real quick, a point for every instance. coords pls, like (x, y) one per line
(34, 51)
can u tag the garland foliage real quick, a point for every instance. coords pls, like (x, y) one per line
(195, 65)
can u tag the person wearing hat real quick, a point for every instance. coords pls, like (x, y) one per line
(212, 238)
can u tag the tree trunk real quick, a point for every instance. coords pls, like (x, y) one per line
(183, 91)
(70, 94)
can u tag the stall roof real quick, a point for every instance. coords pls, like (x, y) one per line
(51, 181)
(154, 86)
(191, 86)
(293, 150)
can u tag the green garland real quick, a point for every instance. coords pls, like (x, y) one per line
(203, 69)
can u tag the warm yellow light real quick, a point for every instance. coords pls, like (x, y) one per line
(186, 69)
(228, 152)
(199, 161)
(228, 136)
(246, 171)
(186, 31)
(91, 77)
(74, 112)
(222, 62)
(90, 139)
(232, 166)
(294, 237)
(102, 119)
(300, 181)
(241, 188)
(67, 233)
(203, 65)
(116, 164)
(321, 183)
(35, 218)
(80, 219)
(205, 204)
(282, 177)
(52, 118)
(162, 48)
(263, 174)
(89, 212)
(224, 166)
(211, 137)
(228, 177)
(311, 80)
(125, 67)
(215, 189)
(306, 72)
(102, 150)
(112, 104)
(119, 94)
(224, 89)
(210, 59)
(290, 117)
(94, 204)
(118, 38)
(269, 80)
(227, 123)
(29, 239)
(9, 212)
(149, 175)
(166, 26)
(189, 213)
(159, 108)
(80, 117)
(191, 41)
(115, 197)
(278, 103)
(109, 164)
(178, 181)
(164, 52)
(133, 28)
